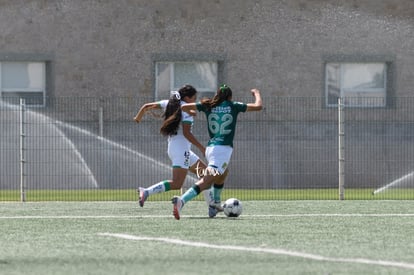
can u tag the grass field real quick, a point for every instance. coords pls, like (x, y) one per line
(243, 194)
(271, 237)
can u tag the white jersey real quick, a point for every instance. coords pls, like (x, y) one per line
(185, 118)
(179, 148)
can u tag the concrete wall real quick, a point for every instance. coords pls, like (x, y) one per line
(105, 48)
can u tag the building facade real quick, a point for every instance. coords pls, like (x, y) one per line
(143, 47)
(318, 51)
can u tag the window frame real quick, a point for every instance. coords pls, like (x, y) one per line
(389, 77)
(16, 91)
(172, 76)
(218, 59)
(354, 97)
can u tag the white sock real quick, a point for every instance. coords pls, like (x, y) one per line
(159, 187)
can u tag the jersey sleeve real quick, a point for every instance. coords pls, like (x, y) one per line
(240, 106)
(200, 107)
(163, 104)
(187, 118)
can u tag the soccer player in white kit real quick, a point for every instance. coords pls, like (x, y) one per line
(177, 127)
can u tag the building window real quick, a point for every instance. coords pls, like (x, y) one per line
(170, 76)
(23, 80)
(359, 84)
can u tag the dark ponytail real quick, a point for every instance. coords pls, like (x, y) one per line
(223, 93)
(172, 115)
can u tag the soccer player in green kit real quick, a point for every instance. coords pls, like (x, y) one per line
(221, 113)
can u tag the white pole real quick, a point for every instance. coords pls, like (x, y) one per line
(341, 146)
(22, 155)
(101, 121)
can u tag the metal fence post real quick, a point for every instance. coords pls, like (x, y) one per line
(341, 146)
(101, 124)
(22, 150)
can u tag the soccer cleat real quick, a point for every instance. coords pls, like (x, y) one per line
(143, 195)
(208, 196)
(214, 208)
(212, 211)
(178, 204)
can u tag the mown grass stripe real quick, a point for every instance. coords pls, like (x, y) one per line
(275, 251)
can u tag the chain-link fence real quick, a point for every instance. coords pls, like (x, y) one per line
(91, 149)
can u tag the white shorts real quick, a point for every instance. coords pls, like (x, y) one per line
(180, 154)
(218, 157)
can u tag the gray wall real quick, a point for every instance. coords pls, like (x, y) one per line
(105, 48)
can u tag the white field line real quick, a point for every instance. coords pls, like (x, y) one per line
(23, 217)
(275, 251)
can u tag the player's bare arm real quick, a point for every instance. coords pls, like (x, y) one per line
(257, 105)
(189, 107)
(144, 109)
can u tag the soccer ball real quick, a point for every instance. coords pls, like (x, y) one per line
(232, 207)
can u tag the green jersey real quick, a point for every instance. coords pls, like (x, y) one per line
(221, 121)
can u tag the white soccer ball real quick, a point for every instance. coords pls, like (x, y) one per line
(232, 207)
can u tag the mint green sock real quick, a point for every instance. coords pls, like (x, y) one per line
(217, 192)
(162, 186)
(190, 193)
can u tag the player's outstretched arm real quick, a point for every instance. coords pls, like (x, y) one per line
(257, 105)
(144, 109)
(189, 107)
